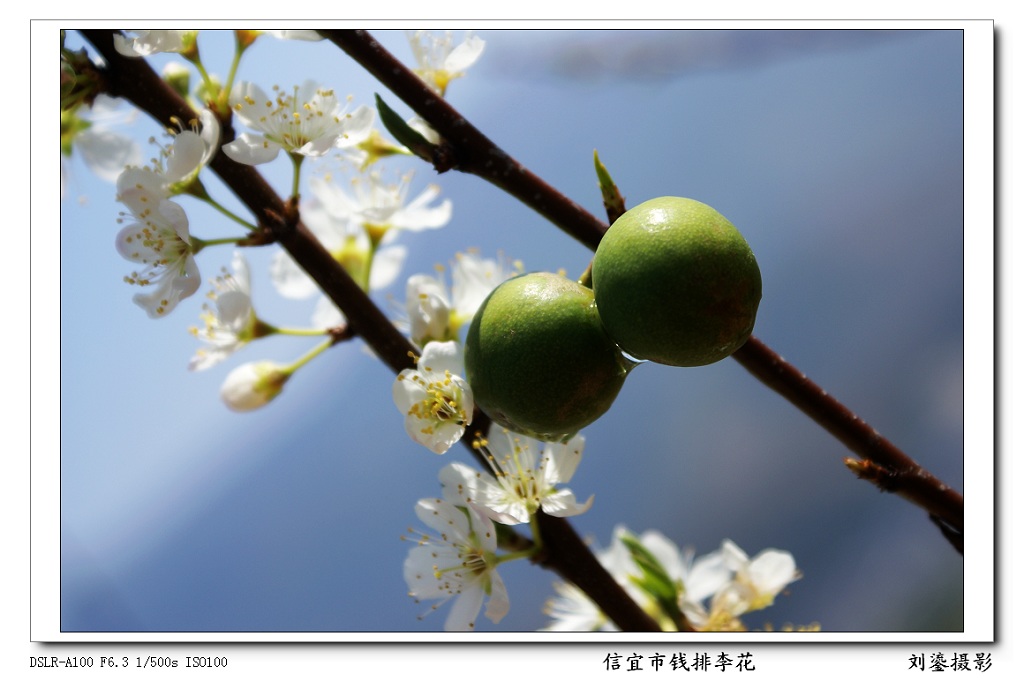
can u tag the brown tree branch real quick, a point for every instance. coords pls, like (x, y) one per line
(467, 149)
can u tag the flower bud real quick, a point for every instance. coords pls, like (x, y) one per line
(253, 385)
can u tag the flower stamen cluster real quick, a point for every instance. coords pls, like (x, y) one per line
(524, 480)
(308, 122)
(436, 401)
(192, 148)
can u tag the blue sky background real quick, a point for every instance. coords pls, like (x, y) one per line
(838, 154)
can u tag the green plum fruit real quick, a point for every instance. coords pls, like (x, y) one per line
(676, 283)
(539, 360)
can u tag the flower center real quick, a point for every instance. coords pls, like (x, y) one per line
(443, 401)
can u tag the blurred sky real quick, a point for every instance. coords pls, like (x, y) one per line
(838, 154)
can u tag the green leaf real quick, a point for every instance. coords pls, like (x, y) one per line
(655, 580)
(403, 132)
(614, 204)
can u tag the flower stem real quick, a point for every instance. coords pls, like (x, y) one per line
(235, 61)
(538, 538)
(198, 190)
(517, 555)
(285, 331)
(297, 163)
(199, 244)
(306, 358)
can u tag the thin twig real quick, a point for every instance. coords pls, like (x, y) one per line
(471, 151)
(882, 462)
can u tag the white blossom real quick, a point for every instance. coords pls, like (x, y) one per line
(439, 60)
(759, 580)
(436, 401)
(157, 237)
(190, 151)
(381, 206)
(310, 122)
(437, 312)
(458, 562)
(572, 610)
(526, 473)
(230, 322)
(712, 590)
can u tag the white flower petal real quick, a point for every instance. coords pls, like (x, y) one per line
(387, 265)
(427, 307)
(290, 280)
(563, 504)
(561, 460)
(707, 575)
(465, 54)
(772, 570)
(357, 128)
(140, 188)
(572, 610)
(465, 609)
(248, 101)
(186, 154)
(146, 43)
(250, 149)
(442, 517)
(497, 603)
(296, 34)
(441, 357)
(326, 315)
(459, 482)
(107, 153)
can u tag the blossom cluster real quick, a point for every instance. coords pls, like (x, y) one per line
(157, 235)
(434, 397)
(461, 560)
(356, 212)
(677, 588)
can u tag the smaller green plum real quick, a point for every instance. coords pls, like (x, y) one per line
(539, 360)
